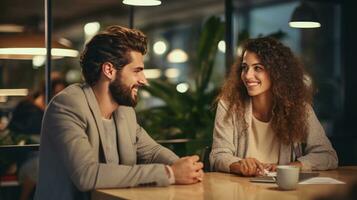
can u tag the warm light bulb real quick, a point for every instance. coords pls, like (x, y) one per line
(172, 73)
(177, 56)
(304, 24)
(14, 92)
(160, 47)
(142, 2)
(182, 87)
(56, 52)
(222, 46)
(152, 73)
(91, 28)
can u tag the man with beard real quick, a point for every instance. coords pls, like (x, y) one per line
(90, 137)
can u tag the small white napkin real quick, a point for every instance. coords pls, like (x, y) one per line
(321, 180)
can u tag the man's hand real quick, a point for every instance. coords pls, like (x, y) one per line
(247, 167)
(187, 170)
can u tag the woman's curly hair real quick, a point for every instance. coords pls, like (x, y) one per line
(290, 92)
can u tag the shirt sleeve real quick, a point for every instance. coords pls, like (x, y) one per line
(149, 151)
(223, 147)
(318, 153)
(170, 174)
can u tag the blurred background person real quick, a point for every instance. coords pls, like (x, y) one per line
(25, 124)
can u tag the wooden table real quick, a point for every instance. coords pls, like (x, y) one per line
(228, 186)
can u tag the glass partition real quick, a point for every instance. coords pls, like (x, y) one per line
(319, 49)
(174, 30)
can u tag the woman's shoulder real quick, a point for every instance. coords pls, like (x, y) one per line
(224, 104)
(309, 109)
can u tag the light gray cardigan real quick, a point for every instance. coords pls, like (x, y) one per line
(230, 144)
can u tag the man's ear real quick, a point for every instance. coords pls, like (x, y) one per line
(108, 70)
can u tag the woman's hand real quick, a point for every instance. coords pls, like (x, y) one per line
(296, 163)
(271, 167)
(247, 167)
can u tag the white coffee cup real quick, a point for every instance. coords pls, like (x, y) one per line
(287, 177)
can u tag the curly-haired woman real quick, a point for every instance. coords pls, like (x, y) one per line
(264, 116)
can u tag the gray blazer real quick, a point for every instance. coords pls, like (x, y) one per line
(230, 144)
(73, 154)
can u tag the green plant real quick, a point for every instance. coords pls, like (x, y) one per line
(187, 115)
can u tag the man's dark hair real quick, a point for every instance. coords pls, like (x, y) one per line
(112, 45)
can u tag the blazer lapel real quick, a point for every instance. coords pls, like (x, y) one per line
(94, 107)
(127, 153)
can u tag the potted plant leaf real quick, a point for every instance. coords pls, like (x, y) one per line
(187, 115)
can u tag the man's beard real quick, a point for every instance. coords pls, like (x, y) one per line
(122, 93)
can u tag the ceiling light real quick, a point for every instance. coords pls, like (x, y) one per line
(73, 75)
(172, 73)
(152, 73)
(38, 61)
(304, 16)
(142, 2)
(159, 47)
(239, 51)
(182, 87)
(304, 24)
(14, 92)
(177, 56)
(91, 28)
(28, 46)
(11, 28)
(222, 46)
